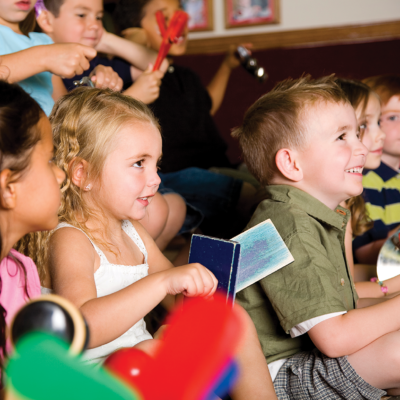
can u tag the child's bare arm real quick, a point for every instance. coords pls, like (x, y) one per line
(72, 263)
(368, 254)
(217, 87)
(134, 53)
(66, 60)
(156, 260)
(59, 88)
(373, 290)
(350, 332)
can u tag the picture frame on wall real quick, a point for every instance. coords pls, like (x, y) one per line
(251, 12)
(200, 14)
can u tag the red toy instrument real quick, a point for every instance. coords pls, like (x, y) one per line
(195, 361)
(169, 34)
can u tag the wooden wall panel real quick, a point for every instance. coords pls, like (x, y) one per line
(304, 37)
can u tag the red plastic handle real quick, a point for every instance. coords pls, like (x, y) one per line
(169, 34)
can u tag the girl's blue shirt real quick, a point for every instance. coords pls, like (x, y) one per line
(38, 86)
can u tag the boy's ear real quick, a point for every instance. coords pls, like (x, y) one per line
(79, 171)
(8, 196)
(46, 21)
(288, 164)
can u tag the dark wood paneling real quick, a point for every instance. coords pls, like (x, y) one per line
(332, 35)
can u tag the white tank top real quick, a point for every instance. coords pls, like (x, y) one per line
(111, 278)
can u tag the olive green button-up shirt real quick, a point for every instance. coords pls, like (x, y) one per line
(317, 283)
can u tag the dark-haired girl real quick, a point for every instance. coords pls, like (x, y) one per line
(29, 195)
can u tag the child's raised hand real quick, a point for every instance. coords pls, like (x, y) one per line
(191, 280)
(147, 87)
(106, 78)
(231, 61)
(68, 59)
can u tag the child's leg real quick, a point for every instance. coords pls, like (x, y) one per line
(164, 218)
(175, 220)
(379, 363)
(254, 379)
(156, 216)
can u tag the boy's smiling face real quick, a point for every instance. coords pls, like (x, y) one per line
(150, 26)
(333, 160)
(79, 21)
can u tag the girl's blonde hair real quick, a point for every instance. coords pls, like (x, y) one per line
(85, 123)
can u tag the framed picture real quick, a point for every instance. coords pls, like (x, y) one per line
(251, 12)
(200, 14)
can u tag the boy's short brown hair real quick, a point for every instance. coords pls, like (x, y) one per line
(386, 86)
(53, 6)
(274, 121)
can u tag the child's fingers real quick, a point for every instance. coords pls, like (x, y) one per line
(119, 85)
(98, 79)
(210, 282)
(88, 52)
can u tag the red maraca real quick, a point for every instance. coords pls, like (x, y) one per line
(170, 34)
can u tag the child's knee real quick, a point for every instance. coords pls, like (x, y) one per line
(177, 207)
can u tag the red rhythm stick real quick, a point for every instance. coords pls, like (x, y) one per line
(170, 34)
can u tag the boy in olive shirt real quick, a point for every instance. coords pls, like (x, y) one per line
(301, 140)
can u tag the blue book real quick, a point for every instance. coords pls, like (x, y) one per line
(243, 260)
(219, 256)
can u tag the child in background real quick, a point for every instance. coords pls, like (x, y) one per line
(184, 107)
(382, 185)
(367, 107)
(29, 195)
(79, 21)
(301, 139)
(32, 58)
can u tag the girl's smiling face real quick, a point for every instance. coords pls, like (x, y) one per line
(129, 179)
(12, 12)
(372, 135)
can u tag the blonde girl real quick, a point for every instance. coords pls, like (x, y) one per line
(100, 257)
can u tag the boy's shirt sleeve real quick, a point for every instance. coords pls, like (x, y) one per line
(312, 286)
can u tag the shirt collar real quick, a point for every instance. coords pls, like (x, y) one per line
(384, 171)
(288, 194)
